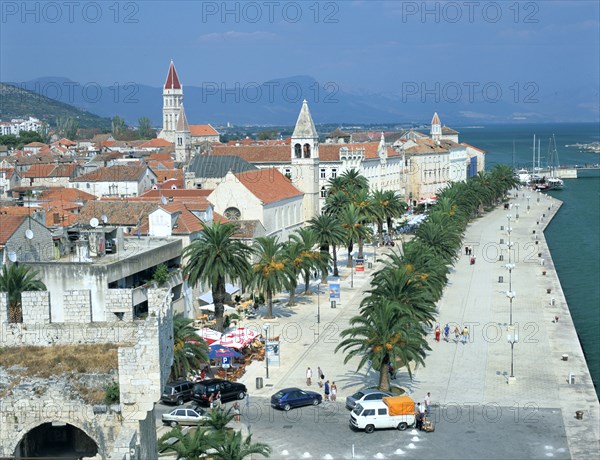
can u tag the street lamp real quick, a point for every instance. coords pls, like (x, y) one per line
(511, 295)
(266, 329)
(352, 273)
(512, 341)
(517, 206)
(319, 301)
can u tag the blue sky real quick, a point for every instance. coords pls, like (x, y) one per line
(360, 45)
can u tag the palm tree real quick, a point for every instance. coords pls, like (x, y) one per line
(294, 261)
(354, 228)
(189, 352)
(383, 336)
(368, 214)
(214, 258)
(218, 419)
(335, 202)
(312, 259)
(270, 272)
(190, 446)
(329, 233)
(14, 280)
(352, 180)
(232, 446)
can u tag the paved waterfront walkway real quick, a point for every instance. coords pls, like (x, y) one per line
(474, 376)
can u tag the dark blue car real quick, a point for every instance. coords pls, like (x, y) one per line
(288, 398)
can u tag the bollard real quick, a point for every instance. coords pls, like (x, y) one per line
(501, 227)
(571, 378)
(501, 258)
(259, 383)
(501, 279)
(552, 301)
(501, 240)
(549, 291)
(579, 415)
(565, 357)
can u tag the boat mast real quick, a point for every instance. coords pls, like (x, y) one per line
(533, 162)
(513, 156)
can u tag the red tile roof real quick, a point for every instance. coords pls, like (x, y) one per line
(119, 173)
(66, 194)
(8, 226)
(203, 130)
(49, 170)
(268, 185)
(177, 194)
(172, 78)
(157, 143)
(36, 144)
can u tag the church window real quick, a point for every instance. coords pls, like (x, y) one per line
(333, 173)
(233, 213)
(306, 151)
(298, 151)
(323, 173)
(179, 141)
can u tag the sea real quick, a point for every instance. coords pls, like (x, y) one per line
(573, 236)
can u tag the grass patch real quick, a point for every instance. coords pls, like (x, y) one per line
(53, 360)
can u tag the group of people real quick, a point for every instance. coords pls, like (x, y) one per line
(469, 252)
(329, 390)
(462, 335)
(422, 411)
(214, 402)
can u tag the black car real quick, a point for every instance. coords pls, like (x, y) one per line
(177, 392)
(229, 390)
(295, 397)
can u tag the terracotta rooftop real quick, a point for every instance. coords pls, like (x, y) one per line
(66, 194)
(119, 173)
(157, 143)
(118, 212)
(268, 185)
(49, 170)
(8, 226)
(177, 194)
(203, 130)
(36, 144)
(436, 120)
(447, 130)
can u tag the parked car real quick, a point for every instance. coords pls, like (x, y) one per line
(295, 397)
(177, 392)
(365, 395)
(183, 416)
(229, 390)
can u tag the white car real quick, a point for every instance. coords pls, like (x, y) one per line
(184, 416)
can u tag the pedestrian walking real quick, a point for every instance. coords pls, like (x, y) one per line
(309, 376)
(446, 332)
(437, 332)
(319, 372)
(333, 391)
(465, 334)
(321, 380)
(218, 403)
(466, 250)
(427, 403)
(211, 401)
(456, 334)
(327, 390)
(236, 411)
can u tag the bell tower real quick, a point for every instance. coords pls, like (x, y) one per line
(305, 161)
(436, 128)
(183, 137)
(172, 101)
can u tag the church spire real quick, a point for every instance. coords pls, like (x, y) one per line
(436, 128)
(305, 127)
(182, 123)
(172, 81)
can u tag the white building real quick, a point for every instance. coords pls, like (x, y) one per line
(16, 125)
(116, 181)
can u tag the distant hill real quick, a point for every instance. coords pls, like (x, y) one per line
(16, 102)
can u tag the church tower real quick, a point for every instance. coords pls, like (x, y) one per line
(172, 101)
(183, 138)
(305, 161)
(436, 128)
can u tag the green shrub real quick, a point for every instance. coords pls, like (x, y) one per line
(161, 274)
(112, 393)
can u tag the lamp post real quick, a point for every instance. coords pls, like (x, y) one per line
(352, 273)
(512, 340)
(266, 329)
(319, 302)
(517, 206)
(511, 295)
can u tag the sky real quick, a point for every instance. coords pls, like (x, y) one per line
(523, 48)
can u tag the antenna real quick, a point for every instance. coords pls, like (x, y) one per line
(94, 222)
(29, 234)
(104, 219)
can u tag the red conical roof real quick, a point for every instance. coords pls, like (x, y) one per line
(172, 78)
(436, 119)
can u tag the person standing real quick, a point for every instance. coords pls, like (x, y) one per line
(326, 390)
(427, 404)
(319, 372)
(437, 332)
(236, 411)
(309, 376)
(446, 332)
(465, 335)
(218, 404)
(456, 333)
(333, 391)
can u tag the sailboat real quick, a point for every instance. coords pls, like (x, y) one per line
(554, 182)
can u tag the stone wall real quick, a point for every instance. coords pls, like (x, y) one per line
(118, 301)
(3, 307)
(36, 307)
(77, 306)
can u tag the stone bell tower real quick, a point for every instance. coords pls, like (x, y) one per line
(172, 101)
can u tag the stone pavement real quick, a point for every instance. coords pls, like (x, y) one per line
(470, 378)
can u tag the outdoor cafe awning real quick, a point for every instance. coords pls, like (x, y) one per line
(207, 297)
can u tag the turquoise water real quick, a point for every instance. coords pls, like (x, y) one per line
(574, 234)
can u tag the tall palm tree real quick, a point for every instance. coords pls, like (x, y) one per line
(269, 273)
(352, 180)
(213, 259)
(354, 228)
(294, 261)
(189, 352)
(368, 214)
(218, 419)
(312, 258)
(190, 446)
(233, 446)
(383, 336)
(335, 202)
(16, 279)
(330, 234)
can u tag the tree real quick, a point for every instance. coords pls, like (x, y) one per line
(218, 419)
(329, 233)
(190, 446)
(270, 271)
(354, 227)
(311, 259)
(383, 336)
(145, 130)
(214, 258)
(118, 126)
(233, 446)
(189, 352)
(26, 137)
(16, 279)
(67, 127)
(10, 140)
(292, 258)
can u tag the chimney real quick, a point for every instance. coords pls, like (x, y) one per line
(56, 218)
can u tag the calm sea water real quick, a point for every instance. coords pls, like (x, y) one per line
(574, 234)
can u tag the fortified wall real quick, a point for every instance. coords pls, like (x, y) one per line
(145, 351)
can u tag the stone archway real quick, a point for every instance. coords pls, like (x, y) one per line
(56, 439)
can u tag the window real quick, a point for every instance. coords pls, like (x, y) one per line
(306, 150)
(368, 412)
(87, 185)
(333, 173)
(323, 175)
(233, 213)
(381, 412)
(298, 151)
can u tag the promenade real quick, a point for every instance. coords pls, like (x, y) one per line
(472, 378)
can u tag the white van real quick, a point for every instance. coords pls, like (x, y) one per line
(372, 415)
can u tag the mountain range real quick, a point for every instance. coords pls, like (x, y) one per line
(277, 102)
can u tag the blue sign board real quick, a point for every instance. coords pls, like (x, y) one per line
(334, 291)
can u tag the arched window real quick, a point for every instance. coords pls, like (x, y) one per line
(298, 151)
(233, 213)
(306, 150)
